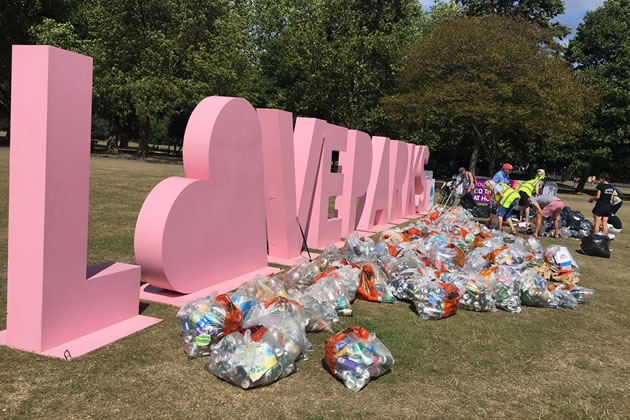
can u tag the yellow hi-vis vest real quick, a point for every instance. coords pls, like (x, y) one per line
(509, 195)
(530, 186)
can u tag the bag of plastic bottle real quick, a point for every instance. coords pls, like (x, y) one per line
(330, 257)
(285, 320)
(262, 288)
(354, 356)
(559, 258)
(373, 284)
(301, 276)
(565, 298)
(596, 246)
(535, 291)
(581, 294)
(435, 300)
(474, 295)
(319, 315)
(357, 245)
(205, 321)
(249, 358)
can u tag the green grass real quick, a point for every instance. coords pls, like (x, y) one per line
(540, 363)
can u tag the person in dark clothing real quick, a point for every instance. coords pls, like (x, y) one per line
(467, 182)
(601, 211)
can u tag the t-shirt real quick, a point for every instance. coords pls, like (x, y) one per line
(465, 181)
(605, 194)
(501, 177)
(543, 200)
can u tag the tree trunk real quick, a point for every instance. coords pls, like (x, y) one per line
(112, 140)
(474, 156)
(583, 177)
(143, 141)
(492, 162)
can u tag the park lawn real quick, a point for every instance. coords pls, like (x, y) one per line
(541, 363)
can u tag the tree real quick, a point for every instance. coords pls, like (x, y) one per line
(494, 85)
(332, 59)
(538, 11)
(16, 17)
(601, 52)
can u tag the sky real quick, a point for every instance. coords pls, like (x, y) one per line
(574, 11)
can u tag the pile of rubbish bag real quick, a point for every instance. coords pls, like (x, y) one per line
(573, 224)
(441, 263)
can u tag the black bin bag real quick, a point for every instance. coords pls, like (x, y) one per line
(596, 246)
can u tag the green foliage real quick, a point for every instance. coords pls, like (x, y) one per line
(601, 51)
(332, 59)
(539, 11)
(495, 85)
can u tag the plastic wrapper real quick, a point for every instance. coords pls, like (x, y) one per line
(535, 291)
(205, 321)
(262, 288)
(435, 300)
(560, 259)
(474, 295)
(250, 358)
(354, 356)
(373, 284)
(285, 319)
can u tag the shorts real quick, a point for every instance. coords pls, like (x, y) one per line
(506, 212)
(553, 209)
(524, 200)
(602, 210)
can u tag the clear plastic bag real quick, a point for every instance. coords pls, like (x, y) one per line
(250, 358)
(319, 315)
(286, 321)
(560, 259)
(354, 356)
(262, 288)
(535, 291)
(435, 300)
(301, 276)
(474, 295)
(206, 320)
(357, 245)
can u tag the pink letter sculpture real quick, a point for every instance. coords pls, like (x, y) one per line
(283, 232)
(356, 165)
(409, 186)
(422, 190)
(322, 230)
(397, 174)
(206, 231)
(374, 215)
(52, 308)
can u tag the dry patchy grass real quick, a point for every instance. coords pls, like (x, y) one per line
(541, 363)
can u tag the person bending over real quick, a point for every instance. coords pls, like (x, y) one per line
(526, 192)
(547, 206)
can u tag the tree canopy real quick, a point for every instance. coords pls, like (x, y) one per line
(601, 52)
(495, 85)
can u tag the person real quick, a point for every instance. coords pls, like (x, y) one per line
(601, 211)
(467, 181)
(526, 191)
(506, 199)
(547, 206)
(503, 175)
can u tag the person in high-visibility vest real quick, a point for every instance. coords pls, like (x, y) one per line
(526, 191)
(506, 199)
